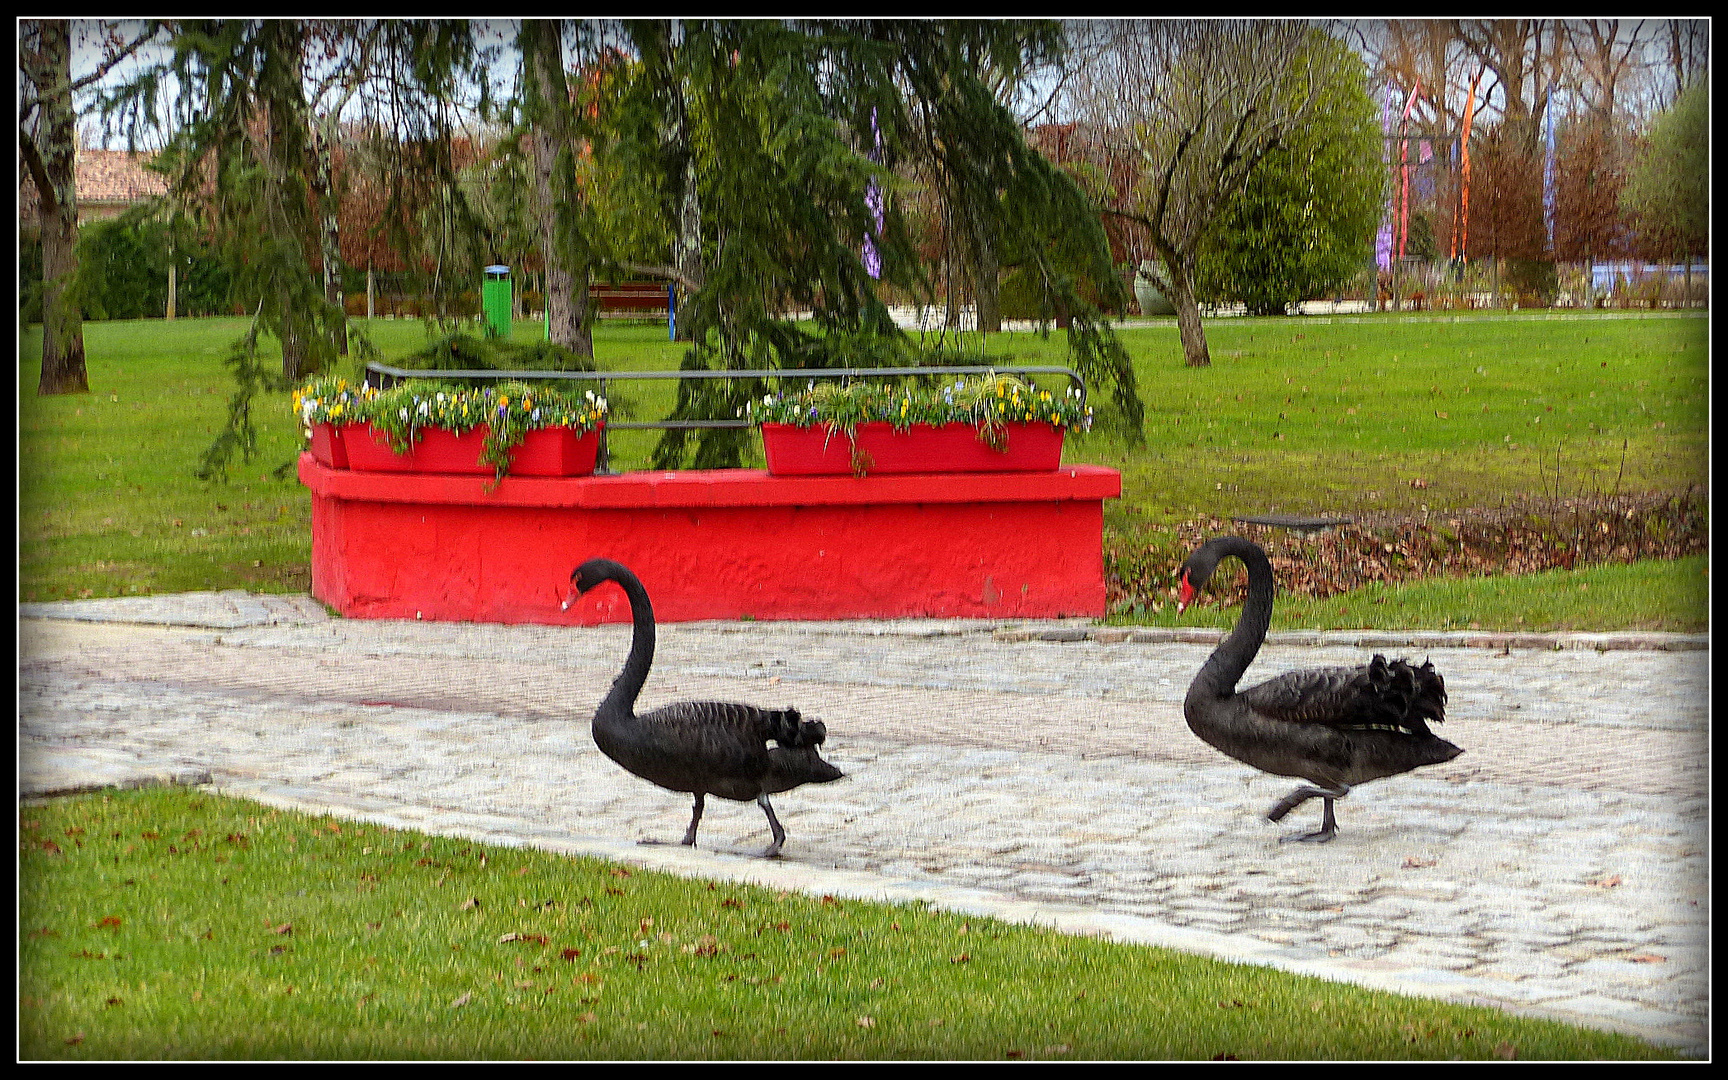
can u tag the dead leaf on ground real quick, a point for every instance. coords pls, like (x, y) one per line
(1606, 882)
(285, 928)
(1414, 862)
(1506, 1052)
(961, 959)
(866, 1021)
(463, 1000)
(1648, 958)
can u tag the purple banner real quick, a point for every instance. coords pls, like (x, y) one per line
(873, 199)
(1383, 239)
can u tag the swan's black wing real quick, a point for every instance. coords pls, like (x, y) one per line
(1378, 696)
(724, 733)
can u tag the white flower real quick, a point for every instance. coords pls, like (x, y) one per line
(404, 413)
(589, 394)
(424, 407)
(600, 402)
(440, 398)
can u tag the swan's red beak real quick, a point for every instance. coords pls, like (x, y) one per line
(1184, 595)
(570, 598)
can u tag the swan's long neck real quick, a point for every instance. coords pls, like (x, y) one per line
(1218, 678)
(621, 699)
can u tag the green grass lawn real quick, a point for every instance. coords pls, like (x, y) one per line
(169, 923)
(1382, 415)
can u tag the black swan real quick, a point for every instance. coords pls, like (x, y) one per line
(1335, 727)
(700, 747)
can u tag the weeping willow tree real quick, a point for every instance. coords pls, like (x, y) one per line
(726, 171)
(737, 160)
(248, 166)
(946, 123)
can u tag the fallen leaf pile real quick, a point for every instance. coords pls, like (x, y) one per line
(1522, 538)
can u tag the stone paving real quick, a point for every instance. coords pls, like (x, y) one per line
(1039, 772)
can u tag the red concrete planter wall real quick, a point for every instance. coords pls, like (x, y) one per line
(718, 544)
(823, 451)
(542, 452)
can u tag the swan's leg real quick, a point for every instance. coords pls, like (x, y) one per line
(1292, 801)
(690, 833)
(1328, 820)
(773, 825)
(695, 816)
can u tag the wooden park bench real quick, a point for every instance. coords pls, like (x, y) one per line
(629, 299)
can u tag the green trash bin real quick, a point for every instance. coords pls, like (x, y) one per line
(495, 300)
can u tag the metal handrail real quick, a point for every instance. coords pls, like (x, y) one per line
(604, 377)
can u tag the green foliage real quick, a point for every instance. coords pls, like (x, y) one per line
(29, 282)
(123, 272)
(1669, 186)
(1535, 282)
(1305, 222)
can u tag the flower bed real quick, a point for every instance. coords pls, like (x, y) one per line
(425, 426)
(994, 424)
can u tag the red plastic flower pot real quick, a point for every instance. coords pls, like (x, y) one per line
(543, 452)
(821, 450)
(327, 448)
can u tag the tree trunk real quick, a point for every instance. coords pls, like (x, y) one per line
(63, 369)
(1181, 295)
(324, 192)
(689, 258)
(172, 283)
(987, 279)
(566, 280)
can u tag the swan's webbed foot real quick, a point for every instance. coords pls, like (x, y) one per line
(773, 850)
(1319, 837)
(1328, 823)
(690, 833)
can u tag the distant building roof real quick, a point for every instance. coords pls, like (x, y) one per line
(106, 178)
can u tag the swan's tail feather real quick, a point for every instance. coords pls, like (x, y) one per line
(1407, 696)
(791, 730)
